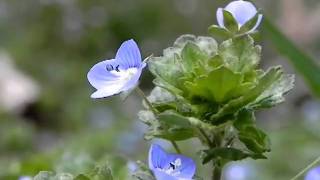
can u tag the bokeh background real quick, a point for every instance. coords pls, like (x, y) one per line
(49, 122)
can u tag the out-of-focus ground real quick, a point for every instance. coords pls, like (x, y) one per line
(48, 121)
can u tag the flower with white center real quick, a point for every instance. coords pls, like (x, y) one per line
(166, 166)
(111, 77)
(242, 11)
(313, 174)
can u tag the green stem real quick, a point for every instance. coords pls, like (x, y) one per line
(141, 93)
(216, 173)
(155, 112)
(176, 147)
(204, 134)
(306, 169)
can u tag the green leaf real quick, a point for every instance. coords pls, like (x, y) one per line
(102, 172)
(143, 172)
(82, 177)
(173, 119)
(249, 24)
(254, 139)
(275, 94)
(215, 62)
(47, 175)
(244, 118)
(223, 33)
(240, 54)
(224, 153)
(175, 134)
(44, 175)
(173, 68)
(192, 56)
(230, 22)
(216, 86)
(302, 62)
(273, 75)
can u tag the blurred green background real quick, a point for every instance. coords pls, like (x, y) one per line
(49, 122)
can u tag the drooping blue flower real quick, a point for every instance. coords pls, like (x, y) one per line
(313, 174)
(242, 11)
(166, 166)
(111, 77)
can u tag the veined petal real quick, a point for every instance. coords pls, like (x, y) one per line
(242, 11)
(157, 157)
(220, 17)
(100, 77)
(128, 55)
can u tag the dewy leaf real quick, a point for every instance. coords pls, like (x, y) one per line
(216, 86)
(264, 83)
(302, 62)
(240, 54)
(230, 22)
(275, 94)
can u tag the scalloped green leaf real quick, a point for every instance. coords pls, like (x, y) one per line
(217, 86)
(240, 54)
(192, 57)
(275, 94)
(266, 81)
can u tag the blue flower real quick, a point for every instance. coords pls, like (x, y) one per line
(167, 166)
(111, 77)
(313, 174)
(242, 11)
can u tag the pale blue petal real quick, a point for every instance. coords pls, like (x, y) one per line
(157, 157)
(242, 11)
(130, 84)
(110, 90)
(313, 174)
(163, 176)
(260, 16)
(128, 55)
(100, 77)
(220, 17)
(187, 168)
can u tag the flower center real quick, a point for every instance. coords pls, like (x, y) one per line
(172, 170)
(123, 74)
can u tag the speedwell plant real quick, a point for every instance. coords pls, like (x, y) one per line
(204, 90)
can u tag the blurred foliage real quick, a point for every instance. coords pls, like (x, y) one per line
(302, 62)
